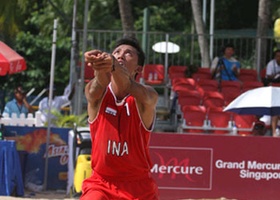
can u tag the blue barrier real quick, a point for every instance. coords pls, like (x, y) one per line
(10, 170)
(31, 144)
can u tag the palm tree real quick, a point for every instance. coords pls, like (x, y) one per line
(126, 17)
(262, 31)
(200, 29)
(10, 19)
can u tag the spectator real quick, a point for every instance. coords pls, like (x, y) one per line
(272, 124)
(273, 76)
(19, 104)
(57, 102)
(273, 69)
(226, 67)
(275, 125)
(259, 127)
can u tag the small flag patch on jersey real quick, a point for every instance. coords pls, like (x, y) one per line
(111, 111)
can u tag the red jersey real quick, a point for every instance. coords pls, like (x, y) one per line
(120, 141)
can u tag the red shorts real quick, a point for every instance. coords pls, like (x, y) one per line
(97, 188)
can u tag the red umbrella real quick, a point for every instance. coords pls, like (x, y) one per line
(10, 61)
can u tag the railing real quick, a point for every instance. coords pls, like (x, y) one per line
(207, 128)
(245, 46)
(22, 120)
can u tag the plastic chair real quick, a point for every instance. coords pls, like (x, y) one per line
(212, 109)
(244, 121)
(200, 76)
(187, 82)
(233, 86)
(248, 75)
(263, 73)
(189, 97)
(202, 73)
(153, 74)
(194, 116)
(208, 84)
(204, 70)
(229, 95)
(275, 84)
(177, 69)
(248, 85)
(175, 75)
(180, 84)
(213, 99)
(200, 90)
(219, 119)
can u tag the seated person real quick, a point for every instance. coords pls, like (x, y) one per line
(18, 104)
(273, 69)
(259, 128)
(57, 102)
(226, 67)
(275, 125)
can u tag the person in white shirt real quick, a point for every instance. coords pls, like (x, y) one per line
(273, 76)
(57, 103)
(273, 68)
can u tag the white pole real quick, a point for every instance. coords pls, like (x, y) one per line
(30, 92)
(81, 80)
(166, 57)
(73, 73)
(259, 56)
(166, 71)
(38, 96)
(73, 47)
(211, 32)
(50, 103)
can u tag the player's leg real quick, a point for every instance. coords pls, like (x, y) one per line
(145, 189)
(95, 189)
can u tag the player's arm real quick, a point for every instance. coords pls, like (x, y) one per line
(95, 89)
(146, 98)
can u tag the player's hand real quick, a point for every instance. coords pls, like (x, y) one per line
(93, 55)
(99, 61)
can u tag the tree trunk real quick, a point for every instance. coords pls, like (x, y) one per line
(262, 31)
(200, 29)
(126, 17)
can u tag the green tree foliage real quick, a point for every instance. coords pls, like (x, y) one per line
(10, 18)
(34, 43)
(27, 27)
(104, 15)
(237, 14)
(275, 10)
(166, 16)
(68, 121)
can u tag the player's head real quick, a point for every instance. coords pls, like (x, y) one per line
(135, 44)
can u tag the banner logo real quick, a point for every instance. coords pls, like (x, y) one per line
(180, 168)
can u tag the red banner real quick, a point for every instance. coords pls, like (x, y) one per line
(215, 166)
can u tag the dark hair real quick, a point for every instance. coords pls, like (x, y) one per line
(275, 52)
(259, 128)
(228, 46)
(19, 89)
(134, 43)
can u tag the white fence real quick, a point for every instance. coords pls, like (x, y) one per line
(30, 120)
